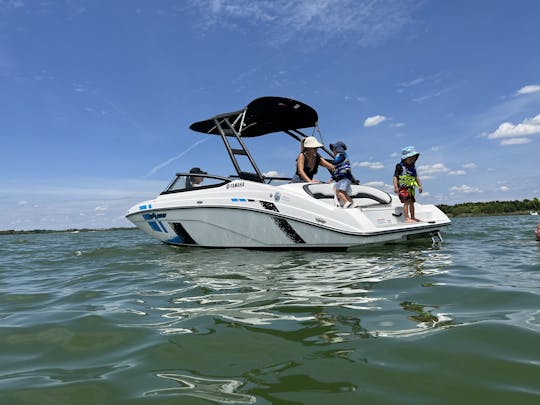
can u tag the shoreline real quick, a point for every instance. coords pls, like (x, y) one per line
(70, 230)
(500, 214)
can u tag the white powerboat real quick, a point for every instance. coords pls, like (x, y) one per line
(247, 211)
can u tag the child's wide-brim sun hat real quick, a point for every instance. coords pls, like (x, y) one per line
(312, 142)
(408, 152)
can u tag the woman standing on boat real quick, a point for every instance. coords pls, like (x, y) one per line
(308, 161)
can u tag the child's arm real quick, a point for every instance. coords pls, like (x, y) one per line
(420, 188)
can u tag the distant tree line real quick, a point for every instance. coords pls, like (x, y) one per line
(491, 208)
(19, 232)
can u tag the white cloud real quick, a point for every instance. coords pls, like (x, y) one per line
(429, 96)
(515, 141)
(465, 189)
(457, 172)
(103, 202)
(519, 132)
(11, 4)
(271, 173)
(470, 166)
(365, 22)
(532, 88)
(23, 202)
(374, 183)
(503, 188)
(412, 82)
(371, 165)
(420, 81)
(357, 98)
(375, 120)
(381, 185)
(169, 161)
(397, 125)
(433, 169)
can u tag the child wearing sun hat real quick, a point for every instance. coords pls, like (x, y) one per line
(406, 180)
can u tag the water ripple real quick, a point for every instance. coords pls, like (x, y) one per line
(206, 388)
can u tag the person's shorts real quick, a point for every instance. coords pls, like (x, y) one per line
(406, 195)
(344, 185)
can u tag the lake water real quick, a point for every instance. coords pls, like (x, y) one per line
(116, 317)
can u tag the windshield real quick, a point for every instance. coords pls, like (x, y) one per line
(190, 182)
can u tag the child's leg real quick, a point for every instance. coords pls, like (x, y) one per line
(406, 207)
(413, 217)
(342, 196)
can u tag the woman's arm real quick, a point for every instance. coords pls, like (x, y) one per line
(323, 162)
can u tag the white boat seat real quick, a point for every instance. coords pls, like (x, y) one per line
(323, 190)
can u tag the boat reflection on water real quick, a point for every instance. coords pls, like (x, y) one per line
(331, 297)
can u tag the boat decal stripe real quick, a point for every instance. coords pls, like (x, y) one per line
(183, 235)
(269, 206)
(154, 226)
(284, 225)
(162, 226)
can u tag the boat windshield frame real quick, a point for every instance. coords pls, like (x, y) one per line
(171, 190)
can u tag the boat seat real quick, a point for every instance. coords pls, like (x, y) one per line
(323, 191)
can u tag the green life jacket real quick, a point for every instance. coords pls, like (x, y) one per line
(407, 178)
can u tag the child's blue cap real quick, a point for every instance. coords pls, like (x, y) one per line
(408, 152)
(338, 147)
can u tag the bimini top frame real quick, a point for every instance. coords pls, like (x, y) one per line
(264, 115)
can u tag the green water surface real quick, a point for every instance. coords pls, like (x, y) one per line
(116, 317)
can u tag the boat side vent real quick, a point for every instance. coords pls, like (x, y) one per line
(184, 236)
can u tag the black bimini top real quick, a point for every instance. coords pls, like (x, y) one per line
(262, 116)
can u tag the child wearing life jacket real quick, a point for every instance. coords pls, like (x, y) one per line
(342, 175)
(406, 180)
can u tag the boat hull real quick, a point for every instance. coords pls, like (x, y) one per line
(226, 227)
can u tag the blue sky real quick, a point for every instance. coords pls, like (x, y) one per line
(96, 97)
